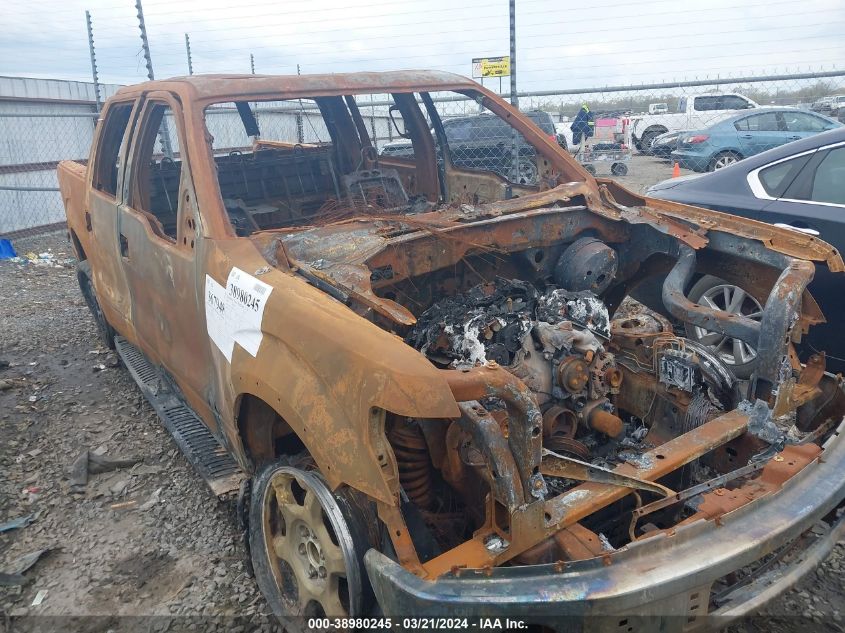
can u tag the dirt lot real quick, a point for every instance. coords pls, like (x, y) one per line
(150, 539)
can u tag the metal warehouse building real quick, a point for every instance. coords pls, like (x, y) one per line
(42, 121)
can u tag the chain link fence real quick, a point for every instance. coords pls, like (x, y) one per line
(32, 142)
(702, 125)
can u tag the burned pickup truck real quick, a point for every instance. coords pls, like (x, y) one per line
(430, 383)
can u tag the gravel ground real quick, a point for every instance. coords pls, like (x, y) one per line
(643, 172)
(148, 539)
(180, 555)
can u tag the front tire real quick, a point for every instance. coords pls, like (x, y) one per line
(647, 140)
(307, 547)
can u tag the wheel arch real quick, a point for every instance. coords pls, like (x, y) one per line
(264, 434)
(78, 250)
(654, 128)
(725, 150)
(283, 406)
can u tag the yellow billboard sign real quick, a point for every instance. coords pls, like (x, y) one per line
(491, 66)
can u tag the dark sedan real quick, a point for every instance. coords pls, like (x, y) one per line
(665, 144)
(802, 185)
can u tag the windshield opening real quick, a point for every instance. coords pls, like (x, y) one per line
(300, 162)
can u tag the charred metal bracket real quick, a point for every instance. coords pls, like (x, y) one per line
(680, 307)
(705, 486)
(525, 422)
(782, 309)
(487, 437)
(556, 465)
(761, 423)
(693, 236)
(770, 336)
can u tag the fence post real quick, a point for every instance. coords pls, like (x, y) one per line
(514, 96)
(373, 122)
(167, 146)
(93, 61)
(188, 51)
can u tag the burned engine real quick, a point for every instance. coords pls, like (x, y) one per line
(607, 391)
(554, 341)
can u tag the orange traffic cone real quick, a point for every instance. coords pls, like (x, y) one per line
(676, 170)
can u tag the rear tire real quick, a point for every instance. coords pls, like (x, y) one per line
(619, 169)
(105, 331)
(722, 160)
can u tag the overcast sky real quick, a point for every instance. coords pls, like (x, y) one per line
(606, 43)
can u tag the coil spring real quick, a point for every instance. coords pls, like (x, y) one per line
(415, 473)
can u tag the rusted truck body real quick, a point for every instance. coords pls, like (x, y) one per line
(433, 376)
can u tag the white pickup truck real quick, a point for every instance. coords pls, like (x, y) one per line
(694, 112)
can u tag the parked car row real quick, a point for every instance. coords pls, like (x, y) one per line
(834, 105)
(486, 142)
(740, 136)
(694, 112)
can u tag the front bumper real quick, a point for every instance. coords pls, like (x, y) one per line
(664, 579)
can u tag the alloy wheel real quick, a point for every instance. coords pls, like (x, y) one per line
(734, 300)
(309, 546)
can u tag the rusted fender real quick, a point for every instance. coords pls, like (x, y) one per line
(323, 369)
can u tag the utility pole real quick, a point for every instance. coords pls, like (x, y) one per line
(514, 98)
(252, 63)
(93, 60)
(188, 50)
(515, 149)
(297, 70)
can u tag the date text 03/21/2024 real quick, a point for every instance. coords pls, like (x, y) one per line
(417, 623)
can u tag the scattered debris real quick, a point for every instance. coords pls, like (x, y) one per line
(8, 383)
(15, 524)
(31, 493)
(47, 259)
(123, 505)
(39, 597)
(153, 500)
(14, 575)
(93, 463)
(118, 486)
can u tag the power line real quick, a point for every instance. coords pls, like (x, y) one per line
(469, 52)
(475, 43)
(252, 29)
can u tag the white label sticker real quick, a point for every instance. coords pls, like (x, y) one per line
(233, 314)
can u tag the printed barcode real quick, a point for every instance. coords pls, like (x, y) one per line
(260, 289)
